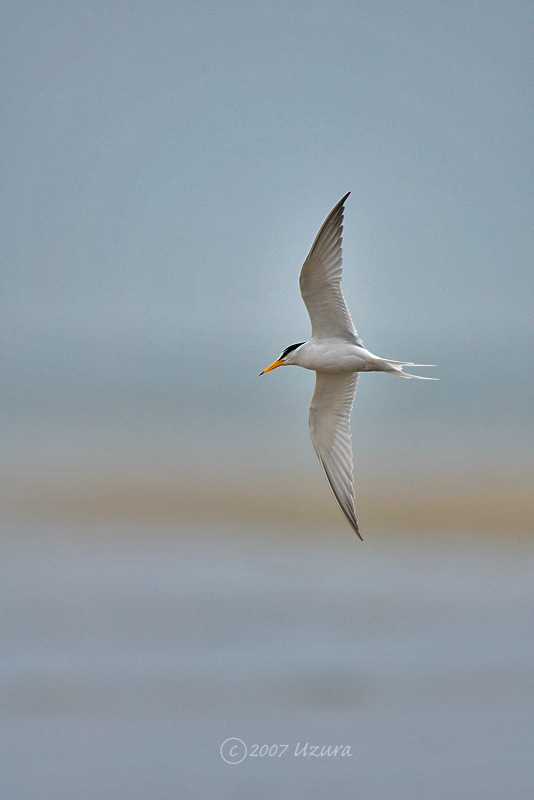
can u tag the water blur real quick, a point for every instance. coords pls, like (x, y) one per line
(131, 653)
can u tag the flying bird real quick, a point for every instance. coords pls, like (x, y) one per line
(337, 354)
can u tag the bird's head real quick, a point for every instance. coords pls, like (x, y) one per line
(287, 357)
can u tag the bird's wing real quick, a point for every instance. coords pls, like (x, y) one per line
(320, 279)
(330, 434)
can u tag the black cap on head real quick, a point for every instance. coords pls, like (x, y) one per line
(290, 349)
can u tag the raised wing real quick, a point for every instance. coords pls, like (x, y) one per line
(320, 279)
(330, 434)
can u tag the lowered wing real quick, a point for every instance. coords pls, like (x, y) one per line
(330, 434)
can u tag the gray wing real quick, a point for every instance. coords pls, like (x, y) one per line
(320, 279)
(330, 434)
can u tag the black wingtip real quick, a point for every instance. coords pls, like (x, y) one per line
(350, 516)
(353, 522)
(354, 525)
(340, 204)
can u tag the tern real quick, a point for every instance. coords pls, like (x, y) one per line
(337, 355)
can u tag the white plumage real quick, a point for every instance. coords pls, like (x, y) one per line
(337, 355)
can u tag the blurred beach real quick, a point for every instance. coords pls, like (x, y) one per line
(482, 503)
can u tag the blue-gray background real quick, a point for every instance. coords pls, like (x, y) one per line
(173, 569)
(166, 167)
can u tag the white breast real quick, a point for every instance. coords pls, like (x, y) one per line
(331, 355)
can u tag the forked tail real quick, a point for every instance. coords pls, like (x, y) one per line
(396, 369)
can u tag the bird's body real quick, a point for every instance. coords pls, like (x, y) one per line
(337, 355)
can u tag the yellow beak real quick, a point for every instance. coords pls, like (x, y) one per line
(274, 365)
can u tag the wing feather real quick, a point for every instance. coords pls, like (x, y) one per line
(330, 434)
(320, 280)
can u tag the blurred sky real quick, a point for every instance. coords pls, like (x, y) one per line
(165, 168)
